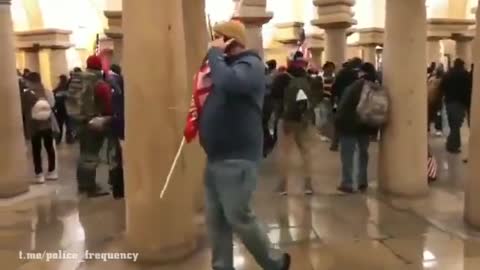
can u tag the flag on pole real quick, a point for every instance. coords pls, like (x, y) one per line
(202, 85)
(96, 46)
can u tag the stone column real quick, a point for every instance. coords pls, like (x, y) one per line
(369, 54)
(155, 65)
(472, 185)
(368, 40)
(197, 38)
(288, 34)
(316, 45)
(31, 59)
(434, 54)
(402, 163)
(317, 59)
(463, 48)
(336, 45)
(114, 32)
(13, 163)
(46, 53)
(335, 16)
(254, 15)
(442, 29)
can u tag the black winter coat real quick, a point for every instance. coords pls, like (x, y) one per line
(347, 120)
(456, 85)
(346, 77)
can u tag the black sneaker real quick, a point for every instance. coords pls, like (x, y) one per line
(282, 188)
(345, 189)
(97, 192)
(363, 188)
(287, 260)
(454, 151)
(308, 191)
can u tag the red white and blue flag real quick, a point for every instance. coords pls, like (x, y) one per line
(202, 85)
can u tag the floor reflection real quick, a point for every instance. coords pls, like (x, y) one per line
(328, 231)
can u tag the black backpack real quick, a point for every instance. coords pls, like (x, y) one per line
(297, 99)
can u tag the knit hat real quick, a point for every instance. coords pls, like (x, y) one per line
(94, 62)
(232, 29)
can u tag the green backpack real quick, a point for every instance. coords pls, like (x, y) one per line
(80, 102)
(297, 99)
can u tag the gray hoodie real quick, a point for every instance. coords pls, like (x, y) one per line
(231, 119)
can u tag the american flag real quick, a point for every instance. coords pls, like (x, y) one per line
(96, 46)
(303, 46)
(202, 85)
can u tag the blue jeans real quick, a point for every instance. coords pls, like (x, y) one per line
(229, 186)
(348, 146)
(456, 115)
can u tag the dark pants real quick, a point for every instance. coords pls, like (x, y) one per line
(64, 120)
(456, 115)
(438, 121)
(268, 140)
(348, 147)
(116, 168)
(91, 143)
(277, 113)
(335, 139)
(229, 187)
(45, 136)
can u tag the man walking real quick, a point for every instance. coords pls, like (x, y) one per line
(456, 85)
(231, 135)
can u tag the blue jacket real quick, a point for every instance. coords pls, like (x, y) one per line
(231, 120)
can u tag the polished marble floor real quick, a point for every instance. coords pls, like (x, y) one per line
(328, 231)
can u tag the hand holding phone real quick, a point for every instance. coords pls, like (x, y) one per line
(221, 43)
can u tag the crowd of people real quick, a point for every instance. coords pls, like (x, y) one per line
(333, 97)
(251, 109)
(87, 107)
(330, 110)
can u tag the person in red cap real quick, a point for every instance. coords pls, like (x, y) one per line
(89, 105)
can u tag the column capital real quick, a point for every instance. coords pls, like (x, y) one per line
(43, 38)
(252, 12)
(114, 19)
(326, 3)
(373, 36)
(257, 20)
(464, 37)
(5, 2)
(436, 37)
(288, 32)
(334, 13)
(315, 41)
(444, 28)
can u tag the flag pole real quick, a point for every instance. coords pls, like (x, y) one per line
(182, 143)
(172, 168)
